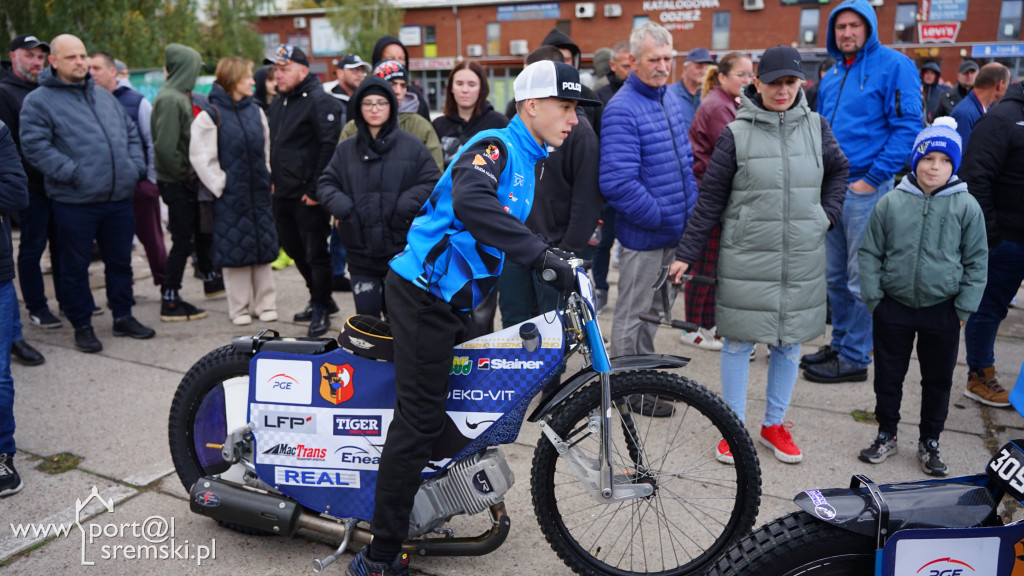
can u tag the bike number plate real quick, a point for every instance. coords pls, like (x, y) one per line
(1006, 469)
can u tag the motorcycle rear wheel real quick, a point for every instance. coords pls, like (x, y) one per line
(699, 506)
(798, 543)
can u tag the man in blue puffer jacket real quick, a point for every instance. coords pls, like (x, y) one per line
(646, 175)
(872, 100)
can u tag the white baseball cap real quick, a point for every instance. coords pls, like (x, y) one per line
(550, 79)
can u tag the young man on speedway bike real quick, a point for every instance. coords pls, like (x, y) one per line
(456, 249)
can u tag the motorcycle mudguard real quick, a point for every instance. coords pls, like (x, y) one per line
(618, 364)
(947, 503)
(320, 421)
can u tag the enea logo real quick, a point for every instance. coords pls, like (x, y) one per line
(336, 383)
(289, 422)
(356, 425)
(300, 452)
(461, 365)
(500, 364)
(284, 381)
(945, 567)
(357, 457)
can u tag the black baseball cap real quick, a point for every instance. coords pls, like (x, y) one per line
(287, 53)
(968, 65)
(351, 61)
(28, 42)
(550, 79)
(778, 62)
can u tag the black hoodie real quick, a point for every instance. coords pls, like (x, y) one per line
(558, 39)
(378, 49)
(12, 93)
(260, 78)
(374, 187)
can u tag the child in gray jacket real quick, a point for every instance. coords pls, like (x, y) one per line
(923, 268)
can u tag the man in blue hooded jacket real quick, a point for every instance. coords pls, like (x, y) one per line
(872, 100)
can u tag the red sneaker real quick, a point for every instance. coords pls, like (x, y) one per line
(723, 454)
(777, 438)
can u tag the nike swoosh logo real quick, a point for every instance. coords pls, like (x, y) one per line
(474, 425)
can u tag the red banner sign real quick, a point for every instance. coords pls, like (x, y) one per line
(938, 31)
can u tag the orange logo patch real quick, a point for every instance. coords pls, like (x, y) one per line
(336, 383)
(479, 160)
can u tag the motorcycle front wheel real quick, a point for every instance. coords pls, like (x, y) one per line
(798, 543)
(698, 506)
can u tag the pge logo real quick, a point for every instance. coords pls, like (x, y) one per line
(336, 383)
(461, 365)
(945, 567)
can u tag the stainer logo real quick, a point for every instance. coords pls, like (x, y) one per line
(336, 383)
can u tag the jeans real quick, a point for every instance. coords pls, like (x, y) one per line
(1005, 273)
(337, 249)
(783, 365)
(851, 321)
(111, 225)
(149, 231)
(16, 325)
(37, 228)
(8, 302)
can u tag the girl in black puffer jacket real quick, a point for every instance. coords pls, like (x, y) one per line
(374, 186)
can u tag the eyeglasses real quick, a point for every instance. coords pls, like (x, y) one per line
(375, 104)
(743, 75)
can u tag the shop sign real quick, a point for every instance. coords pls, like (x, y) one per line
(938, 31)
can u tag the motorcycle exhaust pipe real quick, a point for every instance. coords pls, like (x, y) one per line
(232, 504)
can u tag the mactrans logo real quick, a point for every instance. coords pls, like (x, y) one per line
(151, 539)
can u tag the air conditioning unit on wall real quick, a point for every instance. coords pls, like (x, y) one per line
(585, 10)
(474, 50)
(753, 4)
(612, 10)
(518, 47)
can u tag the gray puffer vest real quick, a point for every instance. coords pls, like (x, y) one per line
(771, 270)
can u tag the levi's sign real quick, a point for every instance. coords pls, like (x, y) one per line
(938, 31)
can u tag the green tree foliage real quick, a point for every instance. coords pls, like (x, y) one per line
(137, 31)
(362, 22)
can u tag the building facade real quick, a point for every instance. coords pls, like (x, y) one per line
(498, 34)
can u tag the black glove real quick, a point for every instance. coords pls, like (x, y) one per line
(565, 278)
(563, 254)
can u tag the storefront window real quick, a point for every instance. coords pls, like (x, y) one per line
(809, 18)
(494, 39)
(720, 31)
(1009, 20)
(906, 23)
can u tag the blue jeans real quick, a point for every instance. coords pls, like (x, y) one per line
(16, 325)
(782, 371)
(111, 225)
(37, 228)
(1005, 273)
(337, 253)
(851, 321)
(8, 302)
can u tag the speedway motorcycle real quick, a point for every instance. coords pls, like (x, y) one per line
(276, 435)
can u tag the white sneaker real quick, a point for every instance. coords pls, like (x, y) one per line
(702, 338)
(242, 320)
(753, 352)
(268, 316)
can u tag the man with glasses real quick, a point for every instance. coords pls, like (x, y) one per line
(304, 130)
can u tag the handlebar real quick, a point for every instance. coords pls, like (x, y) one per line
(680, 324)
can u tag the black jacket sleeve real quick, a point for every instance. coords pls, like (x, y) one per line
(984, 156)
(411, 200)
(837, 170)
(581, 162)
(330, 186)
(13, 183)
(715, 189)
(326, 112)
(475, 196)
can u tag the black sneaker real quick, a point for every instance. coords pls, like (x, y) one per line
(883, 447)
(824, 354)
(651, 406)
(25, 354)
(45, 319)
(177, 310)
(129, 326)
(214, 286)
(835, 371)
(932, 463)
(307, 313)
(10, 480)
(362, 565)
(86, 341)
(320, 322)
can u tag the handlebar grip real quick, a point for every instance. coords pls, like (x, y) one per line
(650, 318)
(694, 279)
(549, 275)
(688, 326)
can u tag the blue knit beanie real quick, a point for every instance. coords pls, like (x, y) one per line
(941, 136)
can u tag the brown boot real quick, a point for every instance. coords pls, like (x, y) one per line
(984, 387)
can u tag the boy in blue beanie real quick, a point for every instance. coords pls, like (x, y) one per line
(923, 268)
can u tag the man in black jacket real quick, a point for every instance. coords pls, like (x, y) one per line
(948, 100)
(304, 130)
(994, 175)
(28, 56)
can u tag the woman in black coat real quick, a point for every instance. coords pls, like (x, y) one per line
(466, 109)
(374, 186)
(230, 151)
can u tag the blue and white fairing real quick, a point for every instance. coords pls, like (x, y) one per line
(321, 421)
